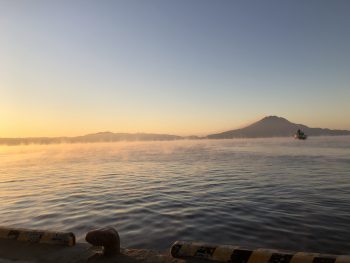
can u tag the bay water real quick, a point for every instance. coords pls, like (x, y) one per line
(273, 193)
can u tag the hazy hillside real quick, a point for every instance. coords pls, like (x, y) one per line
(96, 137)
(273, 126)
(110, 137)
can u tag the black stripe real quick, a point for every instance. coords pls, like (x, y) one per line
(205, 252)
(280, 258)
(35, 236)
(13, 234)
(175, 250)
(240, 256)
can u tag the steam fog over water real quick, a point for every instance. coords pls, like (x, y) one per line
(274, 193)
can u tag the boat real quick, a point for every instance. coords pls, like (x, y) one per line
(300, 135)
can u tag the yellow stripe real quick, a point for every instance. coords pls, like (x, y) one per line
(343, 259)
(22, 236)
(302, 257)
(36, 236)
(46, 238)
(260, 256)
(188, 250)
(71, 239)
(223, 253)
(58, 238)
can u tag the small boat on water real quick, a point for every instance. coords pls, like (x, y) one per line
(300, 135)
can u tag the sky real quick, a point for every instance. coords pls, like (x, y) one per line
(186, 67)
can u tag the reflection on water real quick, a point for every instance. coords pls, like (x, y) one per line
(277, 193)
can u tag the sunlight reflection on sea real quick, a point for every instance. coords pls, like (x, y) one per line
(277, 193)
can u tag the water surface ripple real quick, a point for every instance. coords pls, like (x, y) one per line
(275, 193)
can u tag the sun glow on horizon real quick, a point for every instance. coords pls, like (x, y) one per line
(75, 69)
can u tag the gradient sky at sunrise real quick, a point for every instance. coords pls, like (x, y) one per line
(181, 67)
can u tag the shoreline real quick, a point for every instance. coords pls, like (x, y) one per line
(53, 141)
(181, 252)
(25, 252)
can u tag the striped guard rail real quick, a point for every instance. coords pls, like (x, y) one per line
(235, 254)
(38, 236)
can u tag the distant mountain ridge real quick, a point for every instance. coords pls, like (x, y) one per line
(110, 136)
(271, 126)
(90, 138)
(274, 126)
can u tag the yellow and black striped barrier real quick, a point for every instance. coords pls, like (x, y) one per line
(235, 254)
(38, 236)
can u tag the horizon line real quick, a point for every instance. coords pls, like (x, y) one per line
(202, 135)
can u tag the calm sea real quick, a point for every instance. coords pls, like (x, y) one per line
(274, 193)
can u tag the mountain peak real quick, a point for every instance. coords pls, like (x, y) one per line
(273, 118)
(274, 126)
